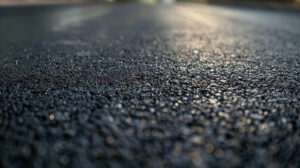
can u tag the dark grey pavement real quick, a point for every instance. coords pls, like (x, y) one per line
(132, 85)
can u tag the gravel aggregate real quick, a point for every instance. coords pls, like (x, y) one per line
(155, 86)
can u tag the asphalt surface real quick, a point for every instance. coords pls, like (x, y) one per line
(132, 85)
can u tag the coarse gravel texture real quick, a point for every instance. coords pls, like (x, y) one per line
(153, 86)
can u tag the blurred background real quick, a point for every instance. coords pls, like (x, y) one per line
(291, 2)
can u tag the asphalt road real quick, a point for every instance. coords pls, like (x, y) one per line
(132, 85)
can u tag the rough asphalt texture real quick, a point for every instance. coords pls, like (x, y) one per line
(129, 85)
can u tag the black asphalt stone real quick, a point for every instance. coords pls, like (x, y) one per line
(131, 85)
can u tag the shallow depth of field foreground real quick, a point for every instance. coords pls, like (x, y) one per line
(149, 85)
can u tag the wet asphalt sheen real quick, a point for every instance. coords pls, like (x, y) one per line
(132, 85)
